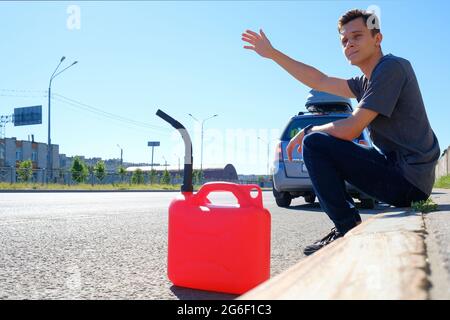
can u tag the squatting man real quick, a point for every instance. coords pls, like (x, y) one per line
(401, 168)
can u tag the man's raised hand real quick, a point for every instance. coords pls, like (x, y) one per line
(259, 43)
(297, 140)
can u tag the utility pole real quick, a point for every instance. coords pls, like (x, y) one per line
(153, 144)
(178, 157)
(202, 122)
(49, 146)
(121, 155)
(3, 121)
(165, 162)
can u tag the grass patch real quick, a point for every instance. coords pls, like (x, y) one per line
(54, 186)
(443, 182)
(424, 206)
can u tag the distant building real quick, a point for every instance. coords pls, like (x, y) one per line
(228, 173)
(68, 161)
(111, 165)
(13, 151)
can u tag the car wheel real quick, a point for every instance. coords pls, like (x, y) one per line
(367, 203)
(283, 199)
(310, 198)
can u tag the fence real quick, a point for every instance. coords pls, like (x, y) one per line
(443, 166)
(64, 176)
(60, 176)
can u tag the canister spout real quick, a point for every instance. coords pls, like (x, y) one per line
(188, 159)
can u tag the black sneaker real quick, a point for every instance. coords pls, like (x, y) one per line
(319, 244)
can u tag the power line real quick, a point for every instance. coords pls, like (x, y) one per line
(114, 121)
(113, 117)
(24, 91)
(82, 106)
(99, 116)
(22, 95)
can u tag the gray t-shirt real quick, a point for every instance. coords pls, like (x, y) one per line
(401, 127)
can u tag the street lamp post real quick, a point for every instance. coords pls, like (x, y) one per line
(178, 157)
(121, 155)
(49, 147)
(203, 122)
(268, 152)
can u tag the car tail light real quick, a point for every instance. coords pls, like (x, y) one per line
(363, 142)
(278, 153)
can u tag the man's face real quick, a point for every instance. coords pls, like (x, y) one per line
(357, 41)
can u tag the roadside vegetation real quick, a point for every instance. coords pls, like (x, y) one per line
(443, 182)
(96, 178)
(424, 206)
(85, 186)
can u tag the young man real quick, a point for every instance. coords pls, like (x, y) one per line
(390, 105)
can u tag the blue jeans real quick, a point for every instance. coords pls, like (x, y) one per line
(331, 161)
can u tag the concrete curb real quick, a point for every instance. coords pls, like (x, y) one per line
(383, 258)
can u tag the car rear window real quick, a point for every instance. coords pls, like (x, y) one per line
(298, 124)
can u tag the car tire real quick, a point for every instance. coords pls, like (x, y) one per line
(310, 198)
(283, 199)
(367, 203)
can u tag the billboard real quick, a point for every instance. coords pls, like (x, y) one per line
(27, 116)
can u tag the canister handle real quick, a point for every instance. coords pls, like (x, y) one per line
(241, 192)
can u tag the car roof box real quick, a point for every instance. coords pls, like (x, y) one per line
(319, 101)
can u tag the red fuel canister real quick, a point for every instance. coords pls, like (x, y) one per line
(222, 248)
(217, 248)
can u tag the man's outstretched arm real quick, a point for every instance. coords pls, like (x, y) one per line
(304, 73)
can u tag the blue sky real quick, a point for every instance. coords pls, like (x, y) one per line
(188, 57)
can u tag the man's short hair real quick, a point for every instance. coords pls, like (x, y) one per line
(370, 19)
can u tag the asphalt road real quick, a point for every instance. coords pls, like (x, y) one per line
(114, 245)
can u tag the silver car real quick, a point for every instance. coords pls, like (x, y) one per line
(290, 178)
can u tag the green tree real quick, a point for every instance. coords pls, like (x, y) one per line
(197, 177)
(122, 172)
(153, 176)
(166, 177)
(25, 170)
(79, 170)
(137, 177)
(100, 170)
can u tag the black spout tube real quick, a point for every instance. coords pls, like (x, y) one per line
(188, 159)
